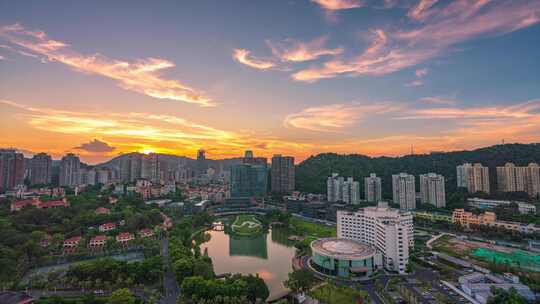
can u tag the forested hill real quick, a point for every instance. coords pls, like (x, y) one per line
(311, 174)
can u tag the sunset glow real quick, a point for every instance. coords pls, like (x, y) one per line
(370, 77)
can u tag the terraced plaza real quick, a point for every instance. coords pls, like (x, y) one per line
(246, 225)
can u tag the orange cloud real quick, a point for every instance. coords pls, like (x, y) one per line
(335, 5)
(298, 51)
(242, 56)
(139, 76)
(419, 11)
(141, 131)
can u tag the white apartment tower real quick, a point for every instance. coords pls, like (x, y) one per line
(334, 188)
(351, 191)
(390, 231)
(473, 177)
(339, 189)
(372, 188)
(432, 190)
(533, 180)
(70, 174)
(404, 191)
(511, 178)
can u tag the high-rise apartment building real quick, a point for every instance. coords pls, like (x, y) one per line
(344, 190)
(373, 188)
(131, 167)
(248, 181)
(404, 191)
(11, 169)
(334, 188)
(432, 190)
(202, 165)
(512, 178)
(41, 169)
(390, 231)
(282, 174)
(70, 167)
(102, 176)
(351, 191)
(151, 168)
(533, 180)
(473, 177)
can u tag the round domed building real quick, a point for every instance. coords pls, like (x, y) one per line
(344, 258)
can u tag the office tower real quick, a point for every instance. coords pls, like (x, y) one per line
(41, 169)
(70, 167)
(201, 162)
(11, 169)
(334, 188)
(473, 177)
(131, 167)
(432, 190)
(403, 189)
(248, 181)
(533, 180)
(282, 174)
(372, 188)
(389, 230)
(250, 159)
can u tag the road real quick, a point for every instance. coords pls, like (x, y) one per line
(172, 291)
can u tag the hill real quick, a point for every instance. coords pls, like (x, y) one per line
(311, 174)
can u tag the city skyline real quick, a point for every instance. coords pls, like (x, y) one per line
(369, 77)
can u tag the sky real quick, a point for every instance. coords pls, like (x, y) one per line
(294, 77)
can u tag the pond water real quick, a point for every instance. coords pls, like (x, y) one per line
(269, 255)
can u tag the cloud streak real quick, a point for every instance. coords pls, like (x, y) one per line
(141, 76)
(440, 28)
(335, 117)
(243, 56)
(335, 5)
(298, 51)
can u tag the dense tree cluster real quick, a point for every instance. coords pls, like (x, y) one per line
(197, 289)
(312, 173)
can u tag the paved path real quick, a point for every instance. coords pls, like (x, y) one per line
(172, 291)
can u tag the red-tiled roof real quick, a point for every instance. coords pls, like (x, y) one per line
(98, 238)
(73, 239)
(124, 235)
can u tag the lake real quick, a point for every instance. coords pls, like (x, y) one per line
(268, 255)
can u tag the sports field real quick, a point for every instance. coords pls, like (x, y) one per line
(246, 224)
(519, 258)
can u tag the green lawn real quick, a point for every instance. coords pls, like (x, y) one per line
(332, 294)
(246, 224)
(308, 229)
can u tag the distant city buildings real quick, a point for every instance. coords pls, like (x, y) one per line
(131, 167)
(473, 177)
(41, 169)
(432, 190)
(511, 178)
(250, 159)
(344, 190)
(11, 169)
(388, 230)
(282, 174)
(488, 218)
(70, 174)
(404, 191)
(248, 181)
(202, 165)
(373, 188)
(480, 203)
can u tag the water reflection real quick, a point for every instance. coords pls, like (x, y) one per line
(268, 255)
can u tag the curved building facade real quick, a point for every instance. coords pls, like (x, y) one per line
(344, 258)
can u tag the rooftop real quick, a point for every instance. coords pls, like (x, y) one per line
(342, 248)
